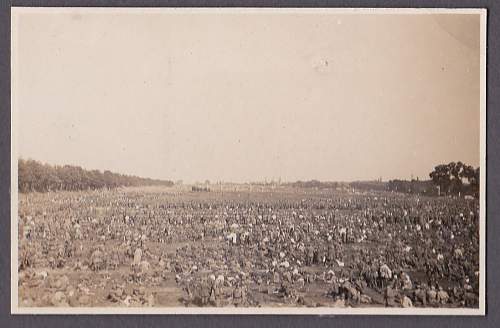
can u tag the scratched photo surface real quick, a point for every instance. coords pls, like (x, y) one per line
(228, 160)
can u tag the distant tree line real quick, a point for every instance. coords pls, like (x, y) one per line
(454, 178)
(36, 176)
(425, 187)
(315, 184)
(369, 185)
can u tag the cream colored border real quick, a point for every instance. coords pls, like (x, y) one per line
(15, 309)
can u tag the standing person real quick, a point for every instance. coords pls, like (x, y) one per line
(205, 291)
(389, 296)
(238, 295)
(216, 292)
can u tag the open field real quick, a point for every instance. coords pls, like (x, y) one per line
(246, 246)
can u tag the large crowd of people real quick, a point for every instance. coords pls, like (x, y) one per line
(254, 248)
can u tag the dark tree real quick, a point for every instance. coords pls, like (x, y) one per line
(456, 178)
(35, 176)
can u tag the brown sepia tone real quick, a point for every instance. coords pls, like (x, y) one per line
(255, 159)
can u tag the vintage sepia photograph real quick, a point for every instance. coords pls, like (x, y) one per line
(248, 161)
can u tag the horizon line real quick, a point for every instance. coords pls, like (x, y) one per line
(218, 181)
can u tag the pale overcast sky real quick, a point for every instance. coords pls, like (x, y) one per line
(247, 97)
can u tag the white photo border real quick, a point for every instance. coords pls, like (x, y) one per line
(322, 311)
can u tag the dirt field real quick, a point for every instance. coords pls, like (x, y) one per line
(183, 238)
